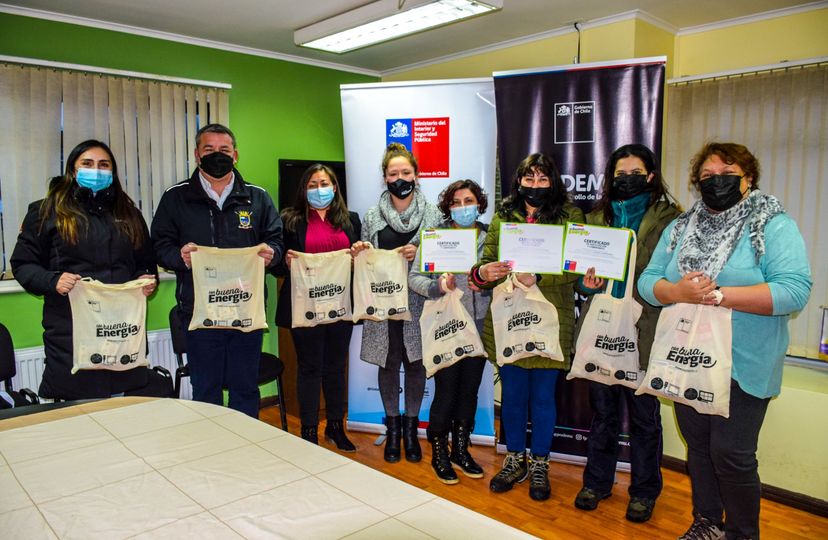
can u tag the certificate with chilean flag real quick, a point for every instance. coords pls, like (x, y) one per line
(427, 139)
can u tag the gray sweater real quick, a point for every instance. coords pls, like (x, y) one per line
(375, 334)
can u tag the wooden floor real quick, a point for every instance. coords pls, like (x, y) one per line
(557, 518)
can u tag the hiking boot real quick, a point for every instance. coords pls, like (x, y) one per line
(309, 433)
(703, 529)
(393, 431)
(514, 471)
(440, 461)
(588, 499)
(335, 433)
(460, 442)
(539, 488)
(640, 509)
(413, 452)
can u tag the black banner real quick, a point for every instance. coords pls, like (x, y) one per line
(578, 115)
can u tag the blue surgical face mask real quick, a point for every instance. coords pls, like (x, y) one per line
(465, 216)
(321, 197)
(94, 179)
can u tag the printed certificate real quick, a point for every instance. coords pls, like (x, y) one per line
(448, 250)
(605, 248)
(534, 248)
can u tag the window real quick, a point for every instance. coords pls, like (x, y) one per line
(149, 124)
(782, 117)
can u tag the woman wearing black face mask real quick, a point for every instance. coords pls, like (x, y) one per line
(538, 196)
(634, 197)
(738, 249)
(394, 223)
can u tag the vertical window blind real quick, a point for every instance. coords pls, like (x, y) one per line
(150, 125)
(782, 117)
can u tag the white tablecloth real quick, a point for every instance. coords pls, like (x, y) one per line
(183, 469)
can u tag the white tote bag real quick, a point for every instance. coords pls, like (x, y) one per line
(692, 357)
(109, 328)
(228, 284)
(320, 288)
(607, 347)
(525, 323)
(448, 332)
(381, 285)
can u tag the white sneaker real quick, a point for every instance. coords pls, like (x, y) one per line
(703, 529)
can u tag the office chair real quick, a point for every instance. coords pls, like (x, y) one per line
(8, 369)
(271, 366)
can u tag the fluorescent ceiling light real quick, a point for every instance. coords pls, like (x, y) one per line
(383, 21)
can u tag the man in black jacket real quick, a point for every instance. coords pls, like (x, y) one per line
(216, 207)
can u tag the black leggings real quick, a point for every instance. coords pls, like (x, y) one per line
(389, 376)
(455, 394)
(721, 460)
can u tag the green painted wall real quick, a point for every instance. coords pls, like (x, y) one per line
(278, 110)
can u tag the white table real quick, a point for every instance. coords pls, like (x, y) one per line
(182, 469)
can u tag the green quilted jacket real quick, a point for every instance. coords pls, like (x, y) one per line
(559, 290)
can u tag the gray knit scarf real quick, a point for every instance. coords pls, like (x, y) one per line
(418, 214)
(711, 238)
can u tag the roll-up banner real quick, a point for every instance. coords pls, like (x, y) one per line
(578, 114)
(450, 128)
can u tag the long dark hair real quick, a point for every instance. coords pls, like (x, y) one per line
(658, 188)
(553, 207)
(69, 215)
(337, 214)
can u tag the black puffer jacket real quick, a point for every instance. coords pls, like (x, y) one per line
(103, 253)
(186, 214)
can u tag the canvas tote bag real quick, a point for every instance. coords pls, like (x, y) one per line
(607, 347)
(320, 288)
(525, 323)
(381, 285)
(228, 284)
(448, 332)
(108, 325)
(692, 357)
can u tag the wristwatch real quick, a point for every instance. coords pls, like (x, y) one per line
(718, 295)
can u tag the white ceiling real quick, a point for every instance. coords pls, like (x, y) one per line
(268, 25)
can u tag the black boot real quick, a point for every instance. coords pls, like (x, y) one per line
(309, 434)
(335, 433)
(539, 488)
(514, 471)
(460, 442)
(440, 459)
(393, 430)
(413, 452)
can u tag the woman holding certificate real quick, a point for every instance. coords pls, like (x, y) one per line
(395, 223)
(318, 222)
(636, 198)
(735, 248)
(456, 386)
(538, 195)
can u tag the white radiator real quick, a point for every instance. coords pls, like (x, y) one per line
(30, 362)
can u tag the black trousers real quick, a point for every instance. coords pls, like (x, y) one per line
(321, 352)
(721, 460)
(645, 440)
(455, 394)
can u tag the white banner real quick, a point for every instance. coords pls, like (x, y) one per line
(450, 127)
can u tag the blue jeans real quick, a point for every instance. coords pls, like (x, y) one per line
(645, 440)
(525, 392)
(225, 359)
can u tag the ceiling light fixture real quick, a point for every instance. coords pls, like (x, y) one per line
(386, 20)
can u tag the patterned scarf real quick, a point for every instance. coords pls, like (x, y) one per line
(410, 218)
(711, 238)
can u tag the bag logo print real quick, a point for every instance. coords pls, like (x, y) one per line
(244, 219)
(329, 290)
(690, 357)
(450, 328)
(524, 318)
